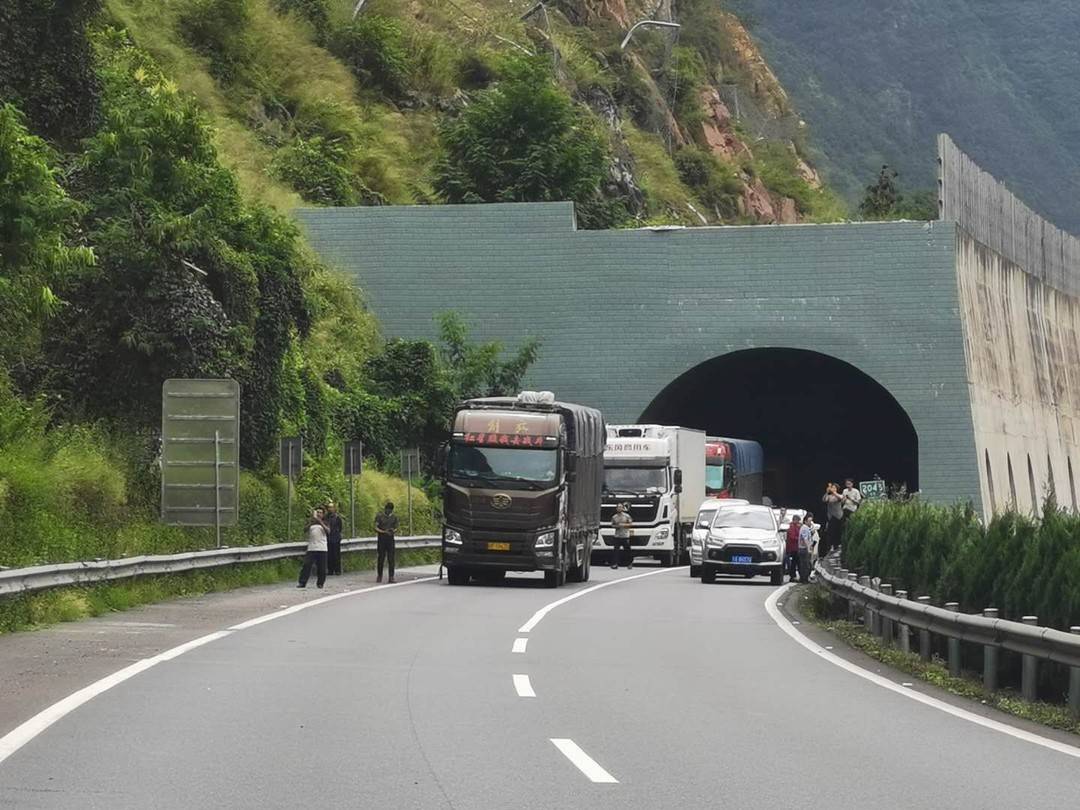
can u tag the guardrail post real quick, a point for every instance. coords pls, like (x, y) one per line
(851, 577)
(1074, 683)
(1029, 673)
(875, 615)
(867, 613)
(885, 622)
(954, 644)
(990, 657)
(924, 635)
(903, 630)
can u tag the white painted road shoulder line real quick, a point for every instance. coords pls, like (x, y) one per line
(907, 691)
(546, 609)
(583, 762)
(520, 644)
(523, 686)
(24, 733)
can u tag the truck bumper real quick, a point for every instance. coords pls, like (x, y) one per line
(642, 542)
(475, 555)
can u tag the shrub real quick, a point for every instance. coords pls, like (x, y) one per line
(716, 184)
(219, 30)
(375, 49)
(1018, 564)
(316, 168)
(316, 12)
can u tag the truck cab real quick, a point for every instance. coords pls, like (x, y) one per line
(658, 472)
(521, 491)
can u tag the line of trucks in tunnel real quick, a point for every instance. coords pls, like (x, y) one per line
(532, 484)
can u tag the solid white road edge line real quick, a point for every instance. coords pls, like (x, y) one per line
(583, 762)
(546, 609)
(24, 733)
(523, 686)
(520, 644)
(785, 625)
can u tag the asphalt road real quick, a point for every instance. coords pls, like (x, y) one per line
(663, 693)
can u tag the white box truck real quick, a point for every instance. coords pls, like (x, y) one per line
(658, 471)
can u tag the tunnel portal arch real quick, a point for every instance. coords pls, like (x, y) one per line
(817, 417)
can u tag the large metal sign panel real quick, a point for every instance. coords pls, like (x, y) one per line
(291, 457)
(354, 458)
(200, 452)
(873, 490)
(410, 463)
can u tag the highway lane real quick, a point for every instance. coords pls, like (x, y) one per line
(685, 694)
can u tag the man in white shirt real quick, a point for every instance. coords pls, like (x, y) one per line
(850, 498)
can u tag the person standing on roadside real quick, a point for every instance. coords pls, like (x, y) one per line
(333, 540)
(834, 514)
(316, 550)
(623, 523)
(791, 548)
(806, 547)
(386, 523)
(852, 498)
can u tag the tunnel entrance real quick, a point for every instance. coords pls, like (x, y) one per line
(817, 418)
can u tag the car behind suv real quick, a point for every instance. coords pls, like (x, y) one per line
(706, 513)
(743, 540)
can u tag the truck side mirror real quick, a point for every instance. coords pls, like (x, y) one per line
(571, 468)
(678, 480)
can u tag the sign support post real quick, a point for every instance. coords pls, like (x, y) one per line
(288, 501)
(217, 486)
(409, 457)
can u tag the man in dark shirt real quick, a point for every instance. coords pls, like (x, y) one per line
(386, 523)
(333, 539)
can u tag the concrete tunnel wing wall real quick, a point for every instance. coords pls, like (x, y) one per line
(622, 314)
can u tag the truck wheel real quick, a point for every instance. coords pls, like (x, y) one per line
(587, 566)
(777, 576)
(667, 559)
(708, 575)
(695, 571)
(455, 576)
(551, 579)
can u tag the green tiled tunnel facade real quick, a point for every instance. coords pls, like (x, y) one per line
(624, 313)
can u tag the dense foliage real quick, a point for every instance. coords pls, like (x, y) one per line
(1021, 565)
(884, 200)
(523, 139)
(46, 67)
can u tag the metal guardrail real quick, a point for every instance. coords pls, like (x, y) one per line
(893, 616)
(42, 577)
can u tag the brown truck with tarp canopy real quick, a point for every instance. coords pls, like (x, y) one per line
(522, 488)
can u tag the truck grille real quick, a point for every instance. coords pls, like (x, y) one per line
(640, 511)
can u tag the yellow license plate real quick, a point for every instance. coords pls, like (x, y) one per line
(498, 546)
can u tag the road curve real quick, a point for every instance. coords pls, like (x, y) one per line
(652, 692)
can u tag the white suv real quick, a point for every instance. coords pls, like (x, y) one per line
(743, 540)
(706, 512)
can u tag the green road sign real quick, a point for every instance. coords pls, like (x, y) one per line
(200, 452)
(873, 490)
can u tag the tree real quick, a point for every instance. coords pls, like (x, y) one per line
(37, 219)
(524, 140)
(881, 195)
(477, 369)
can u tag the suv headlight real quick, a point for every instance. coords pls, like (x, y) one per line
(545, 540)
(451, 536)
(712, 540)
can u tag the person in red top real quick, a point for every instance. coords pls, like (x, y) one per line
(791, 548)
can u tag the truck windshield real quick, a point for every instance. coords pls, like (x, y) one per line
(501, 465)
(635, 479)
(714, 478)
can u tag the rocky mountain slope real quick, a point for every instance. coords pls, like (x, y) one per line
(877, 82)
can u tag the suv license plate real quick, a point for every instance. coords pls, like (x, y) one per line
(742, 559)
(498, 546)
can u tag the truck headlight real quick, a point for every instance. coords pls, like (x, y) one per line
(662, 534)
(451, 536)
(545, 540)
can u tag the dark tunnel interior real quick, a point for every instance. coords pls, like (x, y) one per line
(817, 418)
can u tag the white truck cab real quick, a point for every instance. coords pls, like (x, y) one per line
(658, 471)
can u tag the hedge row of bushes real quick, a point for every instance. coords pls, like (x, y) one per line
(1021, 565)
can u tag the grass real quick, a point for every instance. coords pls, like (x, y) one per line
(33, 611)
(667, 197)
(814, 602)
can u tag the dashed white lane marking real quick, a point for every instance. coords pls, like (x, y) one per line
(546, 609)
(21, 735)
(523, 686)
(520, 644)
(885, 683)
(583, 762)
